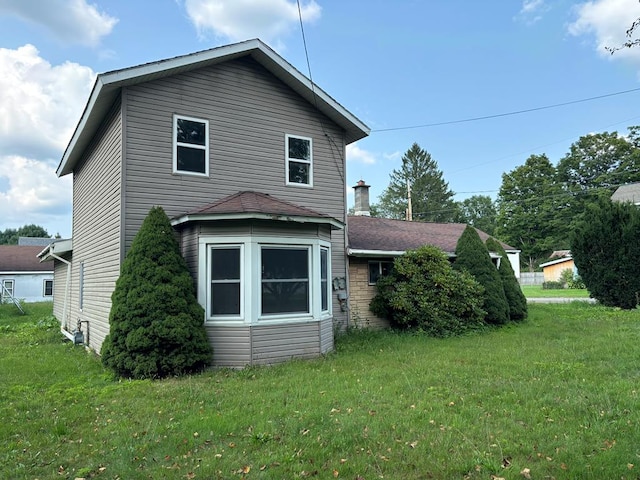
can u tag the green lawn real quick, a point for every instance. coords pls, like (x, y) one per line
(536, 291)
(554, 397)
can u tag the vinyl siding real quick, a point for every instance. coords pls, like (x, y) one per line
(96, 227)
(59, 293)
(249, 113)
(231, 345)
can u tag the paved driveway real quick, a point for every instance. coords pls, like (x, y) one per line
(559, 300)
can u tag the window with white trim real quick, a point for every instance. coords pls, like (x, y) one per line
(378, 269)
(244, 279)
(47, 288)
(7, 289)
(284, 280)
(226, 281)
(190, 145)
(324, 279)
(299, 160)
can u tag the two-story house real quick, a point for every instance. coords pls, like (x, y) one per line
(247, 157)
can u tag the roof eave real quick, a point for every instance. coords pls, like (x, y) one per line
(207, 217)
(59, 247)
(108, 85)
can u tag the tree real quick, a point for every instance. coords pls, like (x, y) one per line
(431, 199)
(10, 235)
(606, 251)
(631, 41)
(480, 212)
(156, 323)
(531, 205)
(424, 292)
(515, 298)
(473, 257)
(596, 165)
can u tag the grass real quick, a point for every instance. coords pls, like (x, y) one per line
(536, 291)
(553, 397)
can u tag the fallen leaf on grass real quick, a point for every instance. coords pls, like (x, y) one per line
(526, 473)
(336, 474)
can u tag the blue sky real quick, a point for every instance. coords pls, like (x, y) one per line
(392, 64)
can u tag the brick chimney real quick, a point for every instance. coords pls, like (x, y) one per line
(361, 199)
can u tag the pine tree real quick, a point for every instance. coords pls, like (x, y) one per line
(472, 256)
(515, 298)
(156, 323)
(431, 198)
(606, 251)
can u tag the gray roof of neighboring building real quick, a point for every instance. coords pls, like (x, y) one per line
(35, 241)
(627, 193)
(20, 258)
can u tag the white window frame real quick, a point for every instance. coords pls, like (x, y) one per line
(44, 287)
(231, 317)
(379, 264)
(251, 279)
(177, 144)
(288, 160)
(12, 289)
(327, 285)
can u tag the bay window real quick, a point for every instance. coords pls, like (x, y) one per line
(259, 279)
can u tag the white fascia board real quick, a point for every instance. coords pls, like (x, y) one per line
(28, 272)
(335, 224)
(358, 252)
(555, 262)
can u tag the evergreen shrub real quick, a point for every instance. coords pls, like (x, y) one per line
(473, 257)
(423, 292)
(515, 298)
(156, 323)
(606, 251)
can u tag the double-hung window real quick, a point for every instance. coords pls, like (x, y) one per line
(226, 281)
(190, 145)
(299, 160)
(324, 279)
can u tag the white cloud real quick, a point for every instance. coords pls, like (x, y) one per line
(357, 155)
(607, 21)
(532, 11)
(237, 20)
(40, 104)
(34, 194)
(72, 21)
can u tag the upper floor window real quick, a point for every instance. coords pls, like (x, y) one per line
(299, 160)
(190, 145)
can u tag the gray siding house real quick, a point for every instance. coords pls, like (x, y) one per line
(247, 157)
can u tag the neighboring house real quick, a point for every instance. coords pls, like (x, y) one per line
(247, 157)
(560, 260)
(627, 193)
(22, 276)
(375, 242)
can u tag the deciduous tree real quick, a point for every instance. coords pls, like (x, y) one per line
(480, 212)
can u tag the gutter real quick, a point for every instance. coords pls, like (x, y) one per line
(70, 336)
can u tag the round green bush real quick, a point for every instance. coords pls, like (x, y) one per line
(423, 292)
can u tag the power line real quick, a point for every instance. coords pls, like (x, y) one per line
(506, 114)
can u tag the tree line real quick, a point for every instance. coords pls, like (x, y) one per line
(538, 205)
(9, 236)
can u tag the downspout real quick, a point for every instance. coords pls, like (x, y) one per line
(66, 296)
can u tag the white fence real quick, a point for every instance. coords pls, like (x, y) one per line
(531, 278)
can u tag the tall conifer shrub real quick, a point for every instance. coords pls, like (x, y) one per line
(515, 298)
(156, 323)
(472, 256)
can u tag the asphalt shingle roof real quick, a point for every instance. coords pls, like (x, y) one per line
(371, 233)
(19, 258)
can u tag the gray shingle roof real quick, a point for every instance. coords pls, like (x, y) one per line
(627, 193)
(19, 258)
(383, 234)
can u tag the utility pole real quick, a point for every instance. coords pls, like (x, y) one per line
(409, 213)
